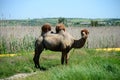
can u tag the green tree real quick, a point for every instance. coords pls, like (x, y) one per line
(62, 20)
(94, 23)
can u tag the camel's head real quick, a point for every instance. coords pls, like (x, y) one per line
(60, 27)
(84, 33)
(46, 27)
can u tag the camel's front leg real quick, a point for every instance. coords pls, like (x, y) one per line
(62, 58)
(66, 58)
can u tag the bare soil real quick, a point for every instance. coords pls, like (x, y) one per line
(18, 76)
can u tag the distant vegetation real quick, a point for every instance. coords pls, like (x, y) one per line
(67, 21)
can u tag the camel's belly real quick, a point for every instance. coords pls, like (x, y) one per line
(53, 45)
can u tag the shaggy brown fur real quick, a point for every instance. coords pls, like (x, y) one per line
(60, 27)
(84, 33)
(46, 27)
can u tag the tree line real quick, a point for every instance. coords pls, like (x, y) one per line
(67, 21)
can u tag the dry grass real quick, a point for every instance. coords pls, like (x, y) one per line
(99, 37)
(16, 38)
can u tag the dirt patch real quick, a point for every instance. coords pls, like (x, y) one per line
(18, 76)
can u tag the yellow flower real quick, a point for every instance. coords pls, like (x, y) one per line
(108, 49)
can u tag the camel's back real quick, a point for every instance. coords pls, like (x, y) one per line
(59, 41)
(52, 41)
(67, 39)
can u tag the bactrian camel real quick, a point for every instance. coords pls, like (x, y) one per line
(61, 41)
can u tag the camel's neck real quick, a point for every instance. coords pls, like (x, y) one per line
(79, 43)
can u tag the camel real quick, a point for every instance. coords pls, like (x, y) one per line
(61, 41)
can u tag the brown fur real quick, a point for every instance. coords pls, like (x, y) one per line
(86, 33)
(46, 27)
(60, 27)
(84, 30)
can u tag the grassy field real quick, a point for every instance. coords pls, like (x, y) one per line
(84, 64)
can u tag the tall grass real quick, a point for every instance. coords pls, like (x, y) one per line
(16, 39)
(14, 45)
(105, 42)
(3, 45)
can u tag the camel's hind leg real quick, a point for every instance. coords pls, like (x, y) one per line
(38, 51)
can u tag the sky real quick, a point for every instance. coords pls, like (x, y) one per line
(31, 9)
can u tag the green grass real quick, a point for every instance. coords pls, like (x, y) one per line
(84, 64)
(22, 63)
(14, 45)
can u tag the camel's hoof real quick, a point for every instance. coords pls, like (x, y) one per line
(36, 66)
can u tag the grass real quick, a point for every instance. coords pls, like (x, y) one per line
(14, 45)
(19, 38)
(84, 64)
(21, 63)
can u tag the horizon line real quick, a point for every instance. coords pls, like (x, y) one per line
(53, 17)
